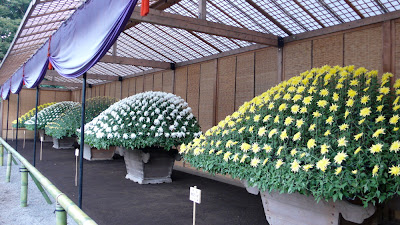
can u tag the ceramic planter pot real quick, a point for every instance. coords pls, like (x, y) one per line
(297, 209)
(64, 143)
(46, 138)
(90, 153)
(150, 165)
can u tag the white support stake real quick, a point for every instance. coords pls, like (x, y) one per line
(12, 133)
(76, 166)
(195, 196)
(24, 139)
(41, 147)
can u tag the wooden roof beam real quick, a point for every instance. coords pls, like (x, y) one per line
(135, 62)
(354, 9)
(308, 13)
(52, 73)
(333, 13)
(203, 26)
(60, 83)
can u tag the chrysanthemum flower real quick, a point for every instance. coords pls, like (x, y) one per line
(376, 148)
(323, 164)
(340, 157)
(295, 166)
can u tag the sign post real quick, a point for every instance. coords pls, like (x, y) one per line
(76, 166)
(41, 147)
(195, 197)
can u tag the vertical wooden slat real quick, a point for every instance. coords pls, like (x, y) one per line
(193, 88)
(328, 51)
(226, 87)
(118, 89)
(125, 88)
(132, 86)
(208, 78)
(102, 90)
(266, 69)
(387, 47)
(244, 79)
(168, 81)
(148, 82)
(158, 82)
(113, 88)
(296, 58)
(181, 82)
(107, 88)
(139, 84)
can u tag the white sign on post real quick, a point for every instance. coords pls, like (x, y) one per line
(195, 195)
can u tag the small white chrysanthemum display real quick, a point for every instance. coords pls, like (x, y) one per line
(331, 132)
(147, 119)
(50, 114)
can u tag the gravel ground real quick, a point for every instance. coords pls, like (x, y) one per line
(37, 211)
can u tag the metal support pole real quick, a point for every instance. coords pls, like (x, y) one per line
(8, 172)
(35, 138)
(8, 111)
(16, 135)
(61, 215)
(24, 185)
(82, 140)
(1, 155)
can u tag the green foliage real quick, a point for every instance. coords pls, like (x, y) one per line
(29, 115)
(331, 132)
(150, 119)
(68, 124)
(50, 114)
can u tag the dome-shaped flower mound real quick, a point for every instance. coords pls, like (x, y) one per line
(70, 121)
(330, 132)
(50, 114)
(143, 120)
(29, 114)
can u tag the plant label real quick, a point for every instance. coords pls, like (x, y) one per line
(76, 152)
(195, 195)
(41, 138)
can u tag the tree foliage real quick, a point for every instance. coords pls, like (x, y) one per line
(11, 13)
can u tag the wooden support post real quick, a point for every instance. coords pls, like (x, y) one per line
(41, 189)
(280, 64)
(8, 172)
(1, 155)
(24, 185)
(202, 9)
(61, 215)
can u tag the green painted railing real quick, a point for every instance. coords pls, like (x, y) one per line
(64, 205)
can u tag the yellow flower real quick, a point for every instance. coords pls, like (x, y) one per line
(376, 148)
(316, 114)
(297, 136)
(265, 161)
(379, 119)
(338, 170)
(279, 163)
(307, 100)
(342, 142)
(276, 120)
(272, 132)
(346, 114)
(358, 136)
(244, 157)
(245, 147)
(255, 148)
(295, 166)
(329, 120)
(300, 89)
(395, 147)
(379, 98)
(384, 90)
(395, 128)
(378, 132)
(365, 99)
(365, 111)
(361, 121)
(307, 167)
(351, 93)
(282, 107)
(262, 131)
(267, 148)
(303, 110)
(311, 90)
(311, 143)
(293, 152)
(394, 119)
(254, 162)
(395, 170)
(324, 149)
(357, 150)
(295, 108)
(340, 157)
(230, 143)
(235, 157)
(333, 108)
(375, 171)
(287, 97)
(328, 132)
(339, 86)
(266, 118)
(283, 135)
(288, 120)
(322, 103)
(279, 150)
(343, 127)
(324, 92)
(354, 82)
(257, 118)
(323, 164)
(219, 152)
(271, 105)
(241, 130)
(299, 123)
(335, 97)
(291, 89)
(350, 102)
(312, 127)
(296, 98)
(354, 171)
(251, 129)
(226, 156)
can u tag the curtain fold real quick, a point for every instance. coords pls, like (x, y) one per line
(79, 43)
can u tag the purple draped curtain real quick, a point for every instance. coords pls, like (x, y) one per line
(77, 45)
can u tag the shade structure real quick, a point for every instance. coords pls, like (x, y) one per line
(77, 45)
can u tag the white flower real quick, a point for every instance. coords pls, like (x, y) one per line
(133, 136)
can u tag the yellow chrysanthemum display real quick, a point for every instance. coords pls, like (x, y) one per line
(29, 114)
(336, 126)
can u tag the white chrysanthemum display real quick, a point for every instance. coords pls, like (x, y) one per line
(144, 120)
(50, 114)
